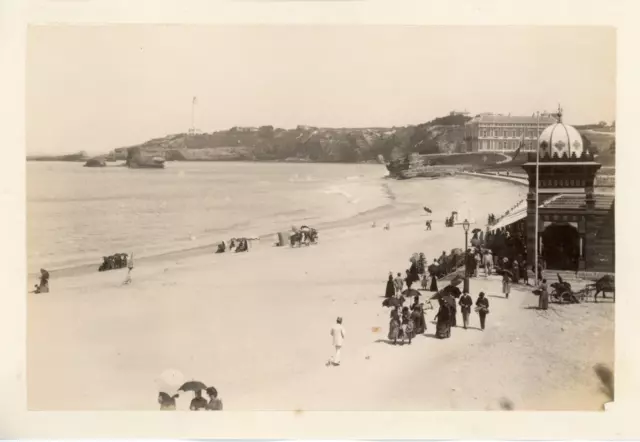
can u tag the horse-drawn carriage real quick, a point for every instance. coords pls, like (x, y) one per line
(304, 236)
(563, 293)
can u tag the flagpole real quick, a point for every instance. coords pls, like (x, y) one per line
(193, 111)
(537, 203)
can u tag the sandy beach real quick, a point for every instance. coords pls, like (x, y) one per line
(256, 326)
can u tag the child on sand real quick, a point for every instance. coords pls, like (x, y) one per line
(424, 282)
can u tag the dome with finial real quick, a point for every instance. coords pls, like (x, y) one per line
(560, 140)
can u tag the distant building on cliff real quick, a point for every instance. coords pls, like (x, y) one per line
(490, 132)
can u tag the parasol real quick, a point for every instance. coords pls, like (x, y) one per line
(192, 386)
(457, 251)
(410, 293)
(393, 302)
(456, 281)
(428, 210)
(476, 230)
(433, 268)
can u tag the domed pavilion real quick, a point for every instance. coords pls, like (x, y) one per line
(575, 224)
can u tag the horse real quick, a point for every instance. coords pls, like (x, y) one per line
(604, 285)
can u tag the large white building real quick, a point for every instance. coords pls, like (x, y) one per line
(503, 133)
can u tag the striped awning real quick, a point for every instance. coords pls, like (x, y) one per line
(509, 219)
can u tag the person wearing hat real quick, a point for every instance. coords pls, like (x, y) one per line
(338, 335)
(482, 307)
(465, 305)
(215, 404)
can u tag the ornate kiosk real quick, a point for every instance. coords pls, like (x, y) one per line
(575, 225)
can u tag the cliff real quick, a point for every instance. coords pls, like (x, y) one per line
(305, 143)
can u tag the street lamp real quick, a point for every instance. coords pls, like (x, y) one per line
(465, 226)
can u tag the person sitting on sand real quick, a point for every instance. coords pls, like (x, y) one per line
(43, 287)
(198, 402)
(214, 404)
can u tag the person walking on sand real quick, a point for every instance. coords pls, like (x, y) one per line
(338, 335)
(487, 261)
(130, 266)
(482, 307)
(399, 284)
(506, 285)
(465, 305)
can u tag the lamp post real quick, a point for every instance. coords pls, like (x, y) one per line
(465, 226)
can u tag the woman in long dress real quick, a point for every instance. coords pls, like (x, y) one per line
(407, 325)
(506, 285)
(443, 321)
(390, 290)
(543, 301)
(433, 271)
(394, 326)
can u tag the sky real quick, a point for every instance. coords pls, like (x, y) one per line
(95, 88)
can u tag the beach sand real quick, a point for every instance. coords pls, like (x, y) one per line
(256, 326)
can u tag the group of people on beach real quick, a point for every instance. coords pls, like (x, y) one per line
(116, 261)
(168, 402)
(237, 244)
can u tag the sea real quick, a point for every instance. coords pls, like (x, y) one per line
(76, 215)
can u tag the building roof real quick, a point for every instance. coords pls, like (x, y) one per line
(509, 119)
(558, 202)
(569, 201)
(560, 138)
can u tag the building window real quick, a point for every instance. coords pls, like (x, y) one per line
(484, 133)
(495, 132)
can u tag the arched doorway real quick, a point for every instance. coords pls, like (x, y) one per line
(561, 247)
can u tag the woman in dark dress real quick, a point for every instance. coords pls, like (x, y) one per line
(443, 321)
(433, 271)
(390, 291)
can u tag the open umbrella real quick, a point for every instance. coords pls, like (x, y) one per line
(456, 281)
(410, 293)
(192, 386)
(457, 251)
(476, 230)
(393, 302)
(433, 268)
(428, 210)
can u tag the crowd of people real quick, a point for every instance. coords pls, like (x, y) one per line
(116, 261)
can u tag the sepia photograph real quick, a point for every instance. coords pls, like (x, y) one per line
(320, 217)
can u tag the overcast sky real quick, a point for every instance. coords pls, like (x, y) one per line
(97, 88)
